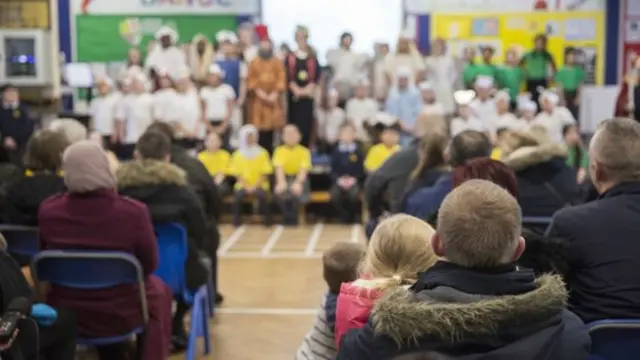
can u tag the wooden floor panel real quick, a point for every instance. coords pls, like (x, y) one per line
(270, 296)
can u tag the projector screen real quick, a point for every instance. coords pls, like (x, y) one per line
(369, 21)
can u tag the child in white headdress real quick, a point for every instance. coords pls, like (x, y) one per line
(430, 104)
(103, 108)
(504, 118)
(553, 117)
(251, 166)
(167, 55)
(330, 119)
(136, 114)
(527, 109)
(483, 106)
(218, 102)
(466, 119)
(361, 109)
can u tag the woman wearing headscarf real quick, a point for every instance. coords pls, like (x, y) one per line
(43, 162)
(266, 83)
(251, 167)
(200, 57)
(92, 216)
(303, 74)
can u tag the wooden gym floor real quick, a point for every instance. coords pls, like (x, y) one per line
(272, 282)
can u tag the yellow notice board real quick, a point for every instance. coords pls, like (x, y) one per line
(581, 30)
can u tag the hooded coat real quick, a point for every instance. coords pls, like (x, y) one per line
(199, 63)
(546, 183)
(163, 188)
(498, 314)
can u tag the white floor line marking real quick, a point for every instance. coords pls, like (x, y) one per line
(273, 255)
(273, 240)
(314, 238)
(355, 233)
(232, 240)
(257, 311)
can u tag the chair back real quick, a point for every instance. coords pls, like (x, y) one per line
(172, 249)
(90, 270)
(615, 339)
(21, 240)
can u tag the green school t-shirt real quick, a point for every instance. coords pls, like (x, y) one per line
(486, 70)
(511, 79)
(469, 74)
(536, 64)
(571, 158)
(570, 77)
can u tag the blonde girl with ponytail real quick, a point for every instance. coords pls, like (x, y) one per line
(399, 249)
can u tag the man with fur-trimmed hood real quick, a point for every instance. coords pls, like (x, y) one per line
(162, 186)
(474, 303)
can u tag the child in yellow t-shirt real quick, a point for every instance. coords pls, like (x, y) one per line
(251, 167)
(292, 163)
(379, 153)
(216, 160)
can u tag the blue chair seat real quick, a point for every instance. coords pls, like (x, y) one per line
(110, 340)
(615, 339)
(21, 240)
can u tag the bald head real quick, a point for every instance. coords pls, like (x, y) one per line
(614, 152)
(479, 225)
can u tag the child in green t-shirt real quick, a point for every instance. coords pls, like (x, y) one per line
(570, 78)
(469, 69)
(577, 155)
(486, 67)
(510, 76)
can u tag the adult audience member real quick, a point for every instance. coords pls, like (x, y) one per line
(55, 341)
(205, 188)
(475, 301)
(16, 126)
(604, 272)
(162, 186)
(546, 182)
(72, 129)
(42, 179)
(390, 180)
(92, 216)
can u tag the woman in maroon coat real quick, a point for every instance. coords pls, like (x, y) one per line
(92, 216)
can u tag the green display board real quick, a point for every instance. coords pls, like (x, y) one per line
(107, 38)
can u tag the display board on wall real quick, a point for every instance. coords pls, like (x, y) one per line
(505, 23)
(630, 32)
(579, 30)
(105, 29)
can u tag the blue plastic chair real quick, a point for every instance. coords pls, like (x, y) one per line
(615, 339)
(542, 223)
(94, 270)
(21, 240)
(172, 249)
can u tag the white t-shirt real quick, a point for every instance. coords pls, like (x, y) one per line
(216, 100)
(348, 67)
(459, 125)
(137, 113)
(507, 121)
(433, 109)
(103, 112)
(359, 111)
(163, 101)
(187, 110)
(329, 122)
(485, 111)
(555, 122)
(169, 59)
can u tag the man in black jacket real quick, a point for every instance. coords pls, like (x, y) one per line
(475, 303)
(205, 188)
(162, 186)
(602, 235)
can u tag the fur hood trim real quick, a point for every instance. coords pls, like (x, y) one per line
(527, 156)
(149, 172)
(406, 316)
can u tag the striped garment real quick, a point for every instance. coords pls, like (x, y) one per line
(319, 343)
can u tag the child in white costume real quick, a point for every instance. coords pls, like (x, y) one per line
(430, 105)
(330, 120)
(361, 109)
(103, 108)
(483, 106)
(504, 118)
(466, 119)
(134, 116)
(553, 117)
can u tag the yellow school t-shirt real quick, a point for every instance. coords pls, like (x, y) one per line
(496, 153)
(377, 155)
(292, 159)
(216, 162)
(251, 170)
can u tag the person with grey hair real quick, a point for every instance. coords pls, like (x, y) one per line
(603, 271)
(475, 302)
(72, 129)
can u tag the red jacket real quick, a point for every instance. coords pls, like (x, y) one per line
(353, 309)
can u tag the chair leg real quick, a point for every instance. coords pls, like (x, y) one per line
(211, 295)
(139, 345)
(205, 327)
